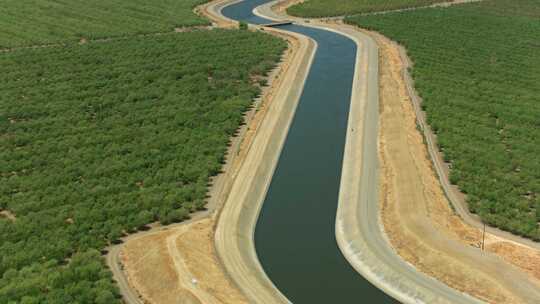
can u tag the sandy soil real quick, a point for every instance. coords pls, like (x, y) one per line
(417, 217)
(524, 258)
(445, 4)
(8, 215)
(150, 271)
(282, 6)
(234, 232)
(179, 266)
(205, 11)
(202, 263)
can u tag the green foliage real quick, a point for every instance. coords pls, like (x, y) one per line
(477, 67)
(32, 22)
(83, 280)
(104, 138)
(242, 25)
(328, 8)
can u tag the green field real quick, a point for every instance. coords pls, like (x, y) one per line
(477, 68)
(33, 22)
(328, 8)
(101, 139)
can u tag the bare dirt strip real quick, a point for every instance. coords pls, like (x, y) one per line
(178, 263)
(8, 215)
(282, 6)
(418, 219)
(193, 287)
(235, 228)
(442, 169)
(104, 40)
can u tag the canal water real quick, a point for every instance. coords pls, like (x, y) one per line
(295, 233)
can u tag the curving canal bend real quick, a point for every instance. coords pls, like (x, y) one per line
(295, 237)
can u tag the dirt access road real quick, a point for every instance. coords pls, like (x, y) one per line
(454, 262)
(416, 215)
(246, 278)
(178, 263)
(456, 198)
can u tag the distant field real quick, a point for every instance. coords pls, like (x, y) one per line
(103, 138)
(30, 22)
(327, 8)
(477, 67)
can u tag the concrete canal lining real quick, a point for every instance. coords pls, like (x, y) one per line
(384, 269)
(294, 237)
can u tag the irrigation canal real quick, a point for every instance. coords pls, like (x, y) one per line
(295, 233)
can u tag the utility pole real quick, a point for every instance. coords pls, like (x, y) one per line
(483, 236)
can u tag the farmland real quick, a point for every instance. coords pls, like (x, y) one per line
(33, 22)
(98, 140)
(325, 8)
(477, 68)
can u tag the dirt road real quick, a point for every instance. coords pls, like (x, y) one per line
(159, 268)
(452, 192)
(357, 228)
(462, 267)
(416, 215)
(235, 228)
(115, 262)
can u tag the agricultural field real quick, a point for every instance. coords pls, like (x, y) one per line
(33, 22)
(477, 68)
(100, 139)
(326, 8)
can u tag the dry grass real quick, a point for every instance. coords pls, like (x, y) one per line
(179, 266)
(416, 215)
(8, 215)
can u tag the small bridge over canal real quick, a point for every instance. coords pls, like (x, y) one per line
(274, 24)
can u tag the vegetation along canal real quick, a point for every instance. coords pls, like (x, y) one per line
(295, 234)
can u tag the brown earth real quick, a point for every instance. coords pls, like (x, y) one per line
(218, 21)
(186, 29)
(417, 217)
(202, 263)
(281, 7)
(180, 264)
(10, 216)
(149, 271)
(523, 257)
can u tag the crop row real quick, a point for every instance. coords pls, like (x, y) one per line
(328, 8)
(35, 22)
(477, 68)
(99, 140)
